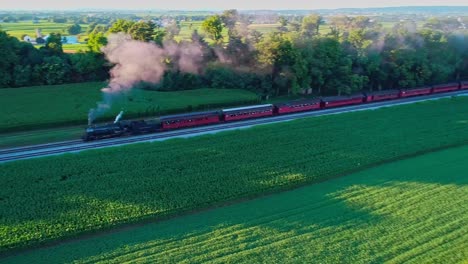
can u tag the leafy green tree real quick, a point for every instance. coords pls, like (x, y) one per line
(283, 21)
(143, 31)
(358, 39)
(22, 75)
(88, 66)
(121, 25)
(159, 35)
(96, 41)
(54, 44)
(310, 25)
(287, 66)
(55, 70)
(230, 19)
(9, 58)
(74, 29)
(446, 25)
(330, 68)
(213, 26)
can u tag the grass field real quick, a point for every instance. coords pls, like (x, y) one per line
(73, 48)
(411, 211)
(49, 106)
(41, 136)
(29, 28)
(186, 30)
(56, 197)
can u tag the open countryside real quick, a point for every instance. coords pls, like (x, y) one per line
(84, 187)
(225, 132)
(409, 211)
(60, 105)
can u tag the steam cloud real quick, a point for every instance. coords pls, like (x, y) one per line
(137, 61)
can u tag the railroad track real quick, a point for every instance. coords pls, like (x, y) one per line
(78, 145)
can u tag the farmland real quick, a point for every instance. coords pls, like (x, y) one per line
(49, 106)
(410, 211)
(57, 197)
(29, 28)
(186, 30)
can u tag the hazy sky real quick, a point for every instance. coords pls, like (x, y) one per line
(216, 5)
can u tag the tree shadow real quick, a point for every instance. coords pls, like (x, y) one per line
(332, 213)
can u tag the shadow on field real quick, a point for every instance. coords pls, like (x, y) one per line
(42, 200)
(330, 216)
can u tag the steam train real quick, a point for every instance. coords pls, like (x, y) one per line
(170, 122)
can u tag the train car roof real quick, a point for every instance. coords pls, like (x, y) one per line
(188, 115)
(335, 98)
(247, 107)
(300, 101)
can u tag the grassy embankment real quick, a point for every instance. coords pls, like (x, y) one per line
(410, 211)
(48, 106)
(51, 198)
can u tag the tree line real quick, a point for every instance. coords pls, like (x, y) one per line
(328, 56)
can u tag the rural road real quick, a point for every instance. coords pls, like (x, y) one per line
(28, 152)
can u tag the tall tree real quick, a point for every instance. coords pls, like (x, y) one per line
(96, 41)
(213, 26)
(121, 25)
(310, 25)
(143, 31)
(9, 58)
(54, 44)
(74, 29)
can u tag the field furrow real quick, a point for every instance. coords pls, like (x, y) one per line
(57, 197)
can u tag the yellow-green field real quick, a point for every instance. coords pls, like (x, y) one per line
(29, 28)
(48, 199)
(68, 104)
(411, 211)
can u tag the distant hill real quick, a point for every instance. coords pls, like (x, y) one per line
(434, 10)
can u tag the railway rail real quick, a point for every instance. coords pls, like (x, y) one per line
(27, 152)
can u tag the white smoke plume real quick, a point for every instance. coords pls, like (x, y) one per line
(137, 61)
(188, 56)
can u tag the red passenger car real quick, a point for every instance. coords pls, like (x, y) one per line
(464, 85)
(334, 101)
(446, 87)
(189, 120)
(247, 112)
(381, 95)
(297, 106)
(415, 92)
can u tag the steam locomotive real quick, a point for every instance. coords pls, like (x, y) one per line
(169, 122)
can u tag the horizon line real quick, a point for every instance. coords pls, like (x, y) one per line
(217, 10)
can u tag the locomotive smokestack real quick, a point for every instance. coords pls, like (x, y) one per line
(117, 118)
(90, 117)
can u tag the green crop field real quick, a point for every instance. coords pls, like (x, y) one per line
(50, 198)
(410, 211)
(73, 48)
(60, 105)
(29, 28)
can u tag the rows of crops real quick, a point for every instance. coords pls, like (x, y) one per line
(28, 27)
(55, 197)
(408, 211)
(46, 106)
